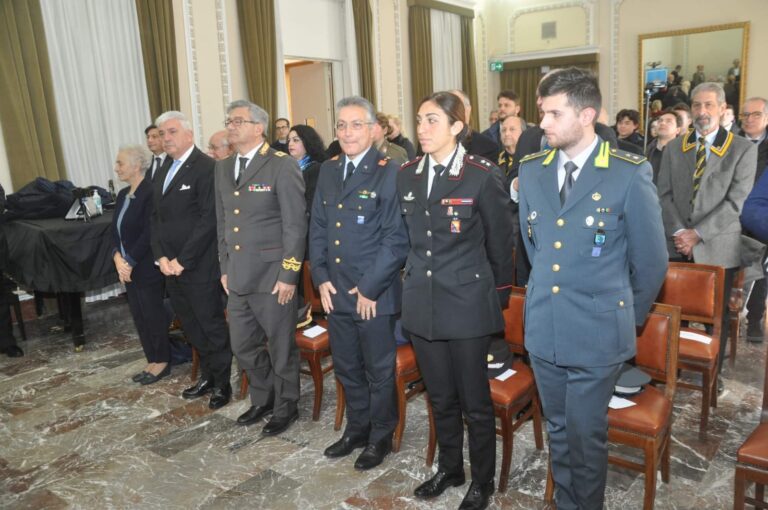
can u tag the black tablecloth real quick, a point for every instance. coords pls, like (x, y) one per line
(56, 255)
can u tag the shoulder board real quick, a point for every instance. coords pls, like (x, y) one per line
(535, 155)
(383, 161)
(280, 154)
(411, 162)
(635, 159)
(479, 162)
(335, 158)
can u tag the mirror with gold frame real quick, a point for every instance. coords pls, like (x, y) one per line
(714, 53)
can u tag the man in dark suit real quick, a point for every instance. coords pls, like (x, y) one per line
(705, 177)
(262, 227)
(509, 106)
(7, 340)
(358, 245)
(592, 228)
(155, 145)
(183, 236)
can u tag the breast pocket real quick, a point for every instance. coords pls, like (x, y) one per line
(600, 232)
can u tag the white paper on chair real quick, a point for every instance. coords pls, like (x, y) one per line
(696, 337)
(314, 331)
(620, 403)
(505, 375)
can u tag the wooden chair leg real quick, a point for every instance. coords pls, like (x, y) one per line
(713, 390)
(243, 384)
(340, 404)
(650, 476)
(739, 488)
(432, 441)
(507, 438)
(538, 436)
(665, 455)
(549, 490)
(19, 318)
(760, 492)
(706, 400)
(195, 364)
(401, 404)
(316, 370)
(733, 332)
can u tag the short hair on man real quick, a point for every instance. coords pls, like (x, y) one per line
(682, 107)
(463, 96)
(282, 118)
(758, 98)
(673, 112)
(509, 94)
(149, 128)
(579, 86)
(710, 86)
(174, 115)
(632, 115)
(360, 102)
(257, 113)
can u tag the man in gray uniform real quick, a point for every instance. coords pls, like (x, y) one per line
(592, 228)
(262, 225)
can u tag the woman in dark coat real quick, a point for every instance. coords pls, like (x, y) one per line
(306, 146)
(135, 263)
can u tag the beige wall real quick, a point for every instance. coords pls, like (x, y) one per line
(570, 25)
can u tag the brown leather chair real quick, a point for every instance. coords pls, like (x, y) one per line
(406, 373)
(752, 460)
(735, 304)
(698, 290)
(515, 400)
(648, 424)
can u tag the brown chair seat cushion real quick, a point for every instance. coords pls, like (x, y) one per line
(406, 359)
(754, 451)
(319, 343)
(647, 417)
(508, 392)
(691, 349)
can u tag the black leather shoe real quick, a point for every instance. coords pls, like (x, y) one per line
(254, 414)
(345, 446)
(138, 377)
(373, 455)
(203, 387)
(14, 351)
(477, 496)
(152, 379)
(220, 396)
(279, 424)
(436, 485)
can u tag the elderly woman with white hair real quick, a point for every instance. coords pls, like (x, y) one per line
(135, 264)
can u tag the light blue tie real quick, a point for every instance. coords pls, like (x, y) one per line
(171, 174)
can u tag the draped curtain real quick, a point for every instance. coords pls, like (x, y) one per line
(363, 21)
(158, 49)
(100, 89)
(468, 68)
(446, 50)
(258, 37)
(420, 36)
(27, 101)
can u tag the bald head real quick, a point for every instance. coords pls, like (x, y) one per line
(510, 130)
(218, 145)
(467, 105)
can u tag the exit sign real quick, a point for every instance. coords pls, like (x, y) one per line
(496, 66)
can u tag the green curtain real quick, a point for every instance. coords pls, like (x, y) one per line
(158, 47)
(420, 36)
(258, 39)
(524, 81)
(27, 105)
(364, 39)
(468, 72)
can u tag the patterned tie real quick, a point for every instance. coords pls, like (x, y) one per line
(349, 172)
(241, 170)
(570, 167)
(701, 165)
(171, 174)
(438, 169)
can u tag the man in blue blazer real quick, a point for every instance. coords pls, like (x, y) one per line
(357, 246)
(592, 228)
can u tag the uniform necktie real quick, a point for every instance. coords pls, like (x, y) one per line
(438, 169)
(570, 167)
(701, 164)
(171, 174)
(349, 172)
(241, 170)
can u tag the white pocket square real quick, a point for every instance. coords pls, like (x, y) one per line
(185, 187)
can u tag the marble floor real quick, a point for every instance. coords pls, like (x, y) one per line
(76, 433)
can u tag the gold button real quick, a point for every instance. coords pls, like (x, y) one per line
(338, 224)
(339, 206)
(236, 229)
(237, 193)
(338, 260)
(429, 273)
(555, 267)
(429, 233)
(558, 245)
(237, 211)
(560, 222)
(237, 247)
(621, 304)
(336, 242)
(555, 289)
(600, 223)
(429, 253)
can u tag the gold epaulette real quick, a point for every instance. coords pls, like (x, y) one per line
(628, 156)
(535, 155)
(280, 154)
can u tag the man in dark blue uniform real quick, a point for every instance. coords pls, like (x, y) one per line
(592, 228)
(358, 244)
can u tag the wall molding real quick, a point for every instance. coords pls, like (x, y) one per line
(194, 83)
(613, 91)
(374, 6)
(399, 61)
(221, 35)
(587, 5)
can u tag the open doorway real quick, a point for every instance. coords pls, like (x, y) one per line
(310, 95)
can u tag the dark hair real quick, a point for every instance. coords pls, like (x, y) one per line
(670, 111)
(682, 106)
(632, 115)
(509, 94)
(313, 144)
(283, 118)
(453, 106)
(149, 128)
(383, 120)
(579, 86)
(729, 107)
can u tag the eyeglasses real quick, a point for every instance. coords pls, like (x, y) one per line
(754, 115)
(355, 125)
(238, 122)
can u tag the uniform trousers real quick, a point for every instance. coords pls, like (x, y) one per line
(455, 373)
(150, 319)
(263, 336)
(575, 404)
(364, 355)
(199, 308)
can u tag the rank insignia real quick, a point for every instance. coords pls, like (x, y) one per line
(291, 264)
(409, 197)
(455, 226)
(383, 162)
(364, 194)
(259, 187)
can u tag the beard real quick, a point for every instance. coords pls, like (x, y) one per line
(704, 123)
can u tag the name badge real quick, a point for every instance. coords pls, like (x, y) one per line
(599, 243)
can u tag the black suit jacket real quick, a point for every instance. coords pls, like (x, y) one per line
(135, 233)
(184, 218)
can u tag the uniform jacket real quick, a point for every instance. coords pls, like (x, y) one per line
(460, 266)
(184, 218)
(357, 237)
(261, 222)
(582, 306)
(727, 180)
(135, 233)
